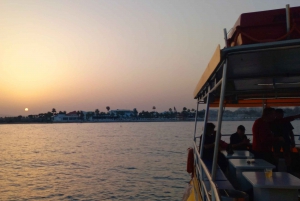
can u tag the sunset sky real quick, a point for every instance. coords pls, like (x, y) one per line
(86, 55)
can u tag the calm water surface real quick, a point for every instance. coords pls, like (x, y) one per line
(97, 161)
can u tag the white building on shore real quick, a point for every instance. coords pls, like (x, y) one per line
(90, 116)
(70, 117)
(121, 113)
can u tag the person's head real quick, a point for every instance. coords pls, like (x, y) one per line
(241, 130)
(210, 127)
(279, 113)
(268, 114)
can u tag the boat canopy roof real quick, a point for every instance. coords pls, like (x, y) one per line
(264, 74)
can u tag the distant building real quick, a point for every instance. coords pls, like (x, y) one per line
(122, 113)
(88, 116)
(72, 116)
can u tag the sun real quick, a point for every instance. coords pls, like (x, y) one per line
(26, 109)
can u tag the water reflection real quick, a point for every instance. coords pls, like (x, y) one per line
(94, 161)
(98, 161)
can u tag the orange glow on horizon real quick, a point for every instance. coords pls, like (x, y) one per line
(85, 55)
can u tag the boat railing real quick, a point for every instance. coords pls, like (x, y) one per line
(201, 173)
(296, 137)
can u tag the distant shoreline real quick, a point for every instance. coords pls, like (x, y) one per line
(122, 121)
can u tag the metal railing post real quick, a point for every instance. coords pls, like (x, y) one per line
(225, 37)
(213, 187)
(204, 127)
(220, 113)
(196, 116)
(288, 20)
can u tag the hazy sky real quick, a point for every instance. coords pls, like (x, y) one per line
(86, 55)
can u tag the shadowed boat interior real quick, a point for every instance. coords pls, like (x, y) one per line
(257, 75)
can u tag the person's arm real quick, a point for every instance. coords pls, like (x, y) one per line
(288, 119)
(235, 142)
(244, 142)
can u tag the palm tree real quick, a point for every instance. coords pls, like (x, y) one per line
(189, 112)
(97, 112)
(48, 115)
(81, 115)
(89, 115)
(153, 114)
(135, 112)
(54, 111)
(193, 111)
(184, 113)
(108, 108)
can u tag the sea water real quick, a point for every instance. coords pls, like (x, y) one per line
(97, 161)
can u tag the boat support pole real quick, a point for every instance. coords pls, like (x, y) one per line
(204, 126)
(288, 19)
(220, 114)
(225, 37)
(203, 139)
(196, 116)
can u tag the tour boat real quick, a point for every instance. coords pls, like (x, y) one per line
(258, 67)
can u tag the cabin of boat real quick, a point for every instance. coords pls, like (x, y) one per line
(259, 67)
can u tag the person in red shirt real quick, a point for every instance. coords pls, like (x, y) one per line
(263, 138)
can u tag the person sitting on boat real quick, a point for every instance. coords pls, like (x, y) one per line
(209, 142)
(209, 146)
(263, 138)
(239, 140)
(284, 130)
